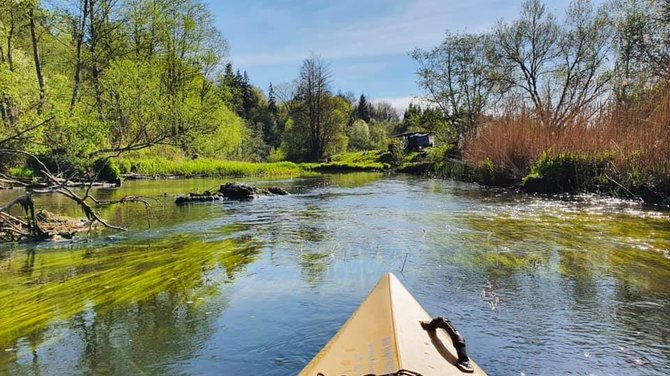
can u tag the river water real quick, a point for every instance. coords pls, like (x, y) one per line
(537, 285)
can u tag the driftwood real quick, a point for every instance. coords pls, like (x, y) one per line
(51, 226)
(56, 184)
(231, 191)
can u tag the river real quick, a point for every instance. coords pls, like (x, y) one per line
(537, 285)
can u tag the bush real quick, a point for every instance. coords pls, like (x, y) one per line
(21, 172)
(485, 173)
(565, 172)
(105, 169)
(440, 153)
(397, 154)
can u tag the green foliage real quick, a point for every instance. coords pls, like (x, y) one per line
(565, 172)
(372, 160)
(397, 153)
(276, 155)
(106, 169)
(379, 131)
(359, 135)
(319, 117)
(363, 109)
(486, 173)
(440, 153)
(430, 119)
(21, 172)
(133, 84)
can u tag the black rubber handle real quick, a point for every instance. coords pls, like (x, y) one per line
(457, 339)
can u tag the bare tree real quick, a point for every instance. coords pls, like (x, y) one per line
(459, 77)
(384, 111)
(561, 69)
(313, 90)
(285, 94)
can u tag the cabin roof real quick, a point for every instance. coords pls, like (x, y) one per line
(405, 134)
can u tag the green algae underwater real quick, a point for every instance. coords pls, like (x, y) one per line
(239, 288)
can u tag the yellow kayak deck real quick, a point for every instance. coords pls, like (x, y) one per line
(384, 336)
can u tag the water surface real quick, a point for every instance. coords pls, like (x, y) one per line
(537, 285)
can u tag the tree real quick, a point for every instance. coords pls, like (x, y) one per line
(658, 38)
(384, 111)
(363, 109)
(631, 24)
(460, 78)
(320, 115)
(359, 135)
(561, 69)
(379, 134)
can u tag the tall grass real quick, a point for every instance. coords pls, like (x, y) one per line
(635, 140)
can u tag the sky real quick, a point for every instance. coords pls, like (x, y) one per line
(364, 42)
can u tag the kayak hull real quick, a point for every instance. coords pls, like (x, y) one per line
(385, 336)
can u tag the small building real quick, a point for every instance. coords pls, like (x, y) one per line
(415, 141)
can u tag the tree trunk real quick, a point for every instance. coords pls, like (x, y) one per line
(78, 63)
(9, 115)
(95, 69)
(38, 64)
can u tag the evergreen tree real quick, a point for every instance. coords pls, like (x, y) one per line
(363, 109)
(272, 100)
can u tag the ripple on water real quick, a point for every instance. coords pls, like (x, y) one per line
(571, 285)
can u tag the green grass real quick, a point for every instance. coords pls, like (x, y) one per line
(371, 160)
(208, 167)
(565, 172)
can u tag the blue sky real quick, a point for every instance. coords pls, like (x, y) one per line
(365, 42)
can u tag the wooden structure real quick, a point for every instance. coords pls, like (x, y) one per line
(416, 141)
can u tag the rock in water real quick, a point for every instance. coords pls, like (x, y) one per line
(277, 191)
(237, 191)
(197, 197)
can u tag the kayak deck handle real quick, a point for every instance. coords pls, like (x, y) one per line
(457, 339)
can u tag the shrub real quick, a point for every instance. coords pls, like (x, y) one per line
(21, 172)
(397, 154)
(105, 169)
(565, 172)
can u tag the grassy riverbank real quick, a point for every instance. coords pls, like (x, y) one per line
(346, 162)
(157, 166)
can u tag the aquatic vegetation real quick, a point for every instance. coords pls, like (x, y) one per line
(40, 288)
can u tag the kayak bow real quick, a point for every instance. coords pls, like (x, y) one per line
(391, 334)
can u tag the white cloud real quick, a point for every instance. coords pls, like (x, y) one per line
(401, 103)
(421, 24)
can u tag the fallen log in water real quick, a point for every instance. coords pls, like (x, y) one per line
(52, 227)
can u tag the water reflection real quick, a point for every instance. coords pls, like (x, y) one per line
(155, 301)
(258, 287)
